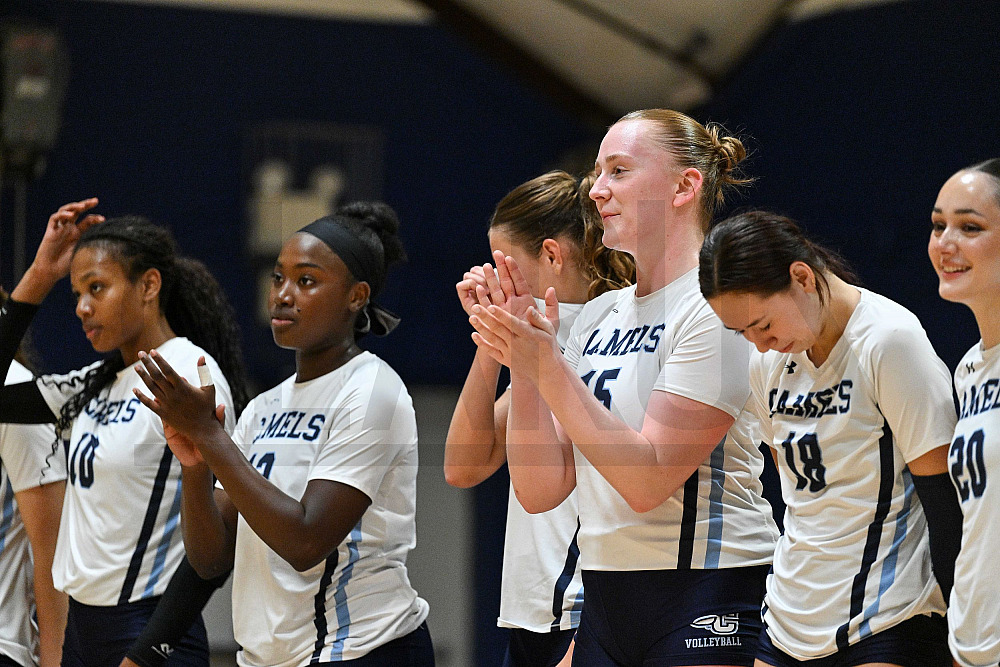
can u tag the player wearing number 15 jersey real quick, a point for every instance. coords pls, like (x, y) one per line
(964, 249)
(856, 407)
(675, 538)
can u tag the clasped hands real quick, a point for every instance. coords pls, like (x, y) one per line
(507, 324)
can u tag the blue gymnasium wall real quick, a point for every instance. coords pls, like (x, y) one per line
(160, 106)
(856, 119)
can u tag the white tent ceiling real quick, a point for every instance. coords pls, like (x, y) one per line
(611, 56)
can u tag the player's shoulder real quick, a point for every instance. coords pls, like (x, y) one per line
(882, 314)
(976, 363)
(880, 321)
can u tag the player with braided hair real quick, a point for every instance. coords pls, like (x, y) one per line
(550, 225)
(314, 507)
(118, 548)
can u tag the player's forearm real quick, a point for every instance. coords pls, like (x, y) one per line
(541, 465)
(208, 541)
(642, 475)
(35, 285)
(472, 452)
(41, 508)
(278, 519)
(51, 606)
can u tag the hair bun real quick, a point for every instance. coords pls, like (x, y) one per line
(377, 216)
(380, 219)
(730, 149)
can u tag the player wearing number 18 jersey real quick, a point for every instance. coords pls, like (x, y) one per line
(965, 250)
(856, 407)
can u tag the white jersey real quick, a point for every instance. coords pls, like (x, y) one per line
(854, 558)
(356, 426)
(541, 589)
(974, 457)
(119, 540)
(626, 347)
(29, 458)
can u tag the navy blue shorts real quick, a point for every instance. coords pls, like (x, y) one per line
(412, 650)
(670, 617)
(8, 662)
(537, 649)
(101, 636)
(920, 641)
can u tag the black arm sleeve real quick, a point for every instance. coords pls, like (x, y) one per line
(944, 525)
(20, 403)
(181, 604)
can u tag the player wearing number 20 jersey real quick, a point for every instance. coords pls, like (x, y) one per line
(854, 558)
(974, 614)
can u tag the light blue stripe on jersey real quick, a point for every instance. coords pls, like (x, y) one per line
(577, 609)
(168, 532)
(8, 512)
(891, 558)
(713, 547)
(340, 595)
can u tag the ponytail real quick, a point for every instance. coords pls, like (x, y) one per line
(750, 253)
(198, 309)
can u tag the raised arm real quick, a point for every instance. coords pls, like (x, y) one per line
(476, 444)
(23, 403)
(540, 456)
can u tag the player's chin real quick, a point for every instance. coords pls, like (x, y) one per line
(951, 292)
(283, 339)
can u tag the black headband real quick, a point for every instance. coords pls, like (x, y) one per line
(364, 265)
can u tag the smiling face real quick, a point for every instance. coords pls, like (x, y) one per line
(788, 321)
(314, 299)
(635, 186)
(109, 305)
(964, 246)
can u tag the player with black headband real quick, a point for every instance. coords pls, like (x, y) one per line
(118, 549)
(314, 506)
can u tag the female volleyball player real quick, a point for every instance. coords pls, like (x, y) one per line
(857, 409)
(117, 547)
(550, 226)
(317, 486)
(964, 248)
(649, 427)
(31, 498)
